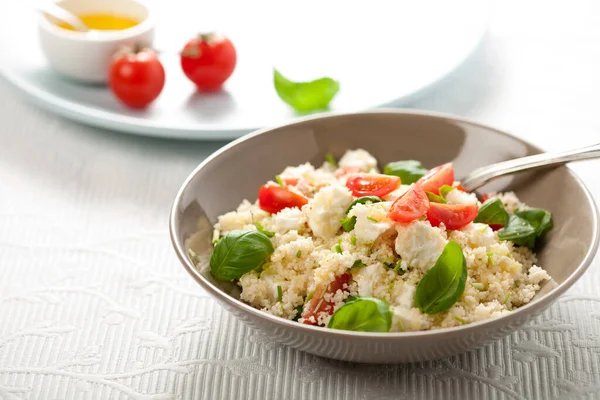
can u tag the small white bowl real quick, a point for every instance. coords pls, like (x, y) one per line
(86, 56)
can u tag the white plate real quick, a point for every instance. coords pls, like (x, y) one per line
(383, 53)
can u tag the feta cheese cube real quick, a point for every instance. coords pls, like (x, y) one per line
(289, 219)
(358, 158)
(459, 197)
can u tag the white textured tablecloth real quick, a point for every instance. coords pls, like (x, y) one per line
(94, 304)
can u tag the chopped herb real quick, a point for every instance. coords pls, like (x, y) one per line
(459, 319)
(357, 264)
(445, 189)
(478, 285)
(490, 254)
(298, 254)
(330, 159)
(298, 313)
(353, 240)
(279, 294)
(262, 230)
(507, 297)
(216, 236)
(434, 198)
(279, 181)
(309, 297)
(364, 200)
(398, 268)
(389, 261)
(372, 219)
(348, 223)
(338, 249)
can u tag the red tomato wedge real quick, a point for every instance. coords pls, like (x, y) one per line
(372, 184)
(273, 199)
(410, 206)
(437, 177)
(453, 216)
(318, 304)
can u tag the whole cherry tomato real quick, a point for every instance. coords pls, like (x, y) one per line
(136, 76)
(208, 60)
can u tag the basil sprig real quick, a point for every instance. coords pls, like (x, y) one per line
(409, 171)
(444, 283)
(525, 227)
(362, 314)
(306, 96)
(364, 200)
(492, 212)
(239, 252)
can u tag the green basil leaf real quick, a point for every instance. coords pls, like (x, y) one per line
(362, 314)
(239, 252)
(540, 219)
(409, 171)
(262, 230)
(306, 96)
(492, 212)
(445, 189)
(348, 223)
(519, 231)
(434, 198)
(364, 200)
(444, 283)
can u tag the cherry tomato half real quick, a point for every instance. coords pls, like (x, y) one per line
(412, 205)
(136, 76)
(433, 180)
(208, 60)
(318, 304)
(372, 184)
(273, 199)
(453, 216)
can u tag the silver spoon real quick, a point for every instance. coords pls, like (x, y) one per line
(63, 15)
(483, 175)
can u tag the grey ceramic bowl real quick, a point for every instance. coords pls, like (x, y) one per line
(236, 172)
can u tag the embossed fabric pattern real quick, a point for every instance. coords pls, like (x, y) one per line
(94, 304)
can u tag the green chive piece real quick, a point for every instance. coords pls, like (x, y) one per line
(279, 180)
(338, 249)
(398, 268)
(478, 285)
(353, 240)
(262, 230)
(459, 319)
(507, 297)
(330, 159)
(216, 236)
(279, 294)
(298, 254)
(372, 219)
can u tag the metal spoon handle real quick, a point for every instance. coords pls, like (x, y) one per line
(482, 175)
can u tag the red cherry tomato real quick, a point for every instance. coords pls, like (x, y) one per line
(136, 76)
(433, 180)
(453, 216)
(410, 206)
(208, 60)
(318, 304)
(273, 199)
(372, 184)
(291, 181)
(351, 169)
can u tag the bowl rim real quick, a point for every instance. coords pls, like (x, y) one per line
(98, 36)
(527, 309)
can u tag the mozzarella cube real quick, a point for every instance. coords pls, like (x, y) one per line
(289, 219)
(459, 197)
(358, 158)
(371, 221)
(325, 211)
(419, 244)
